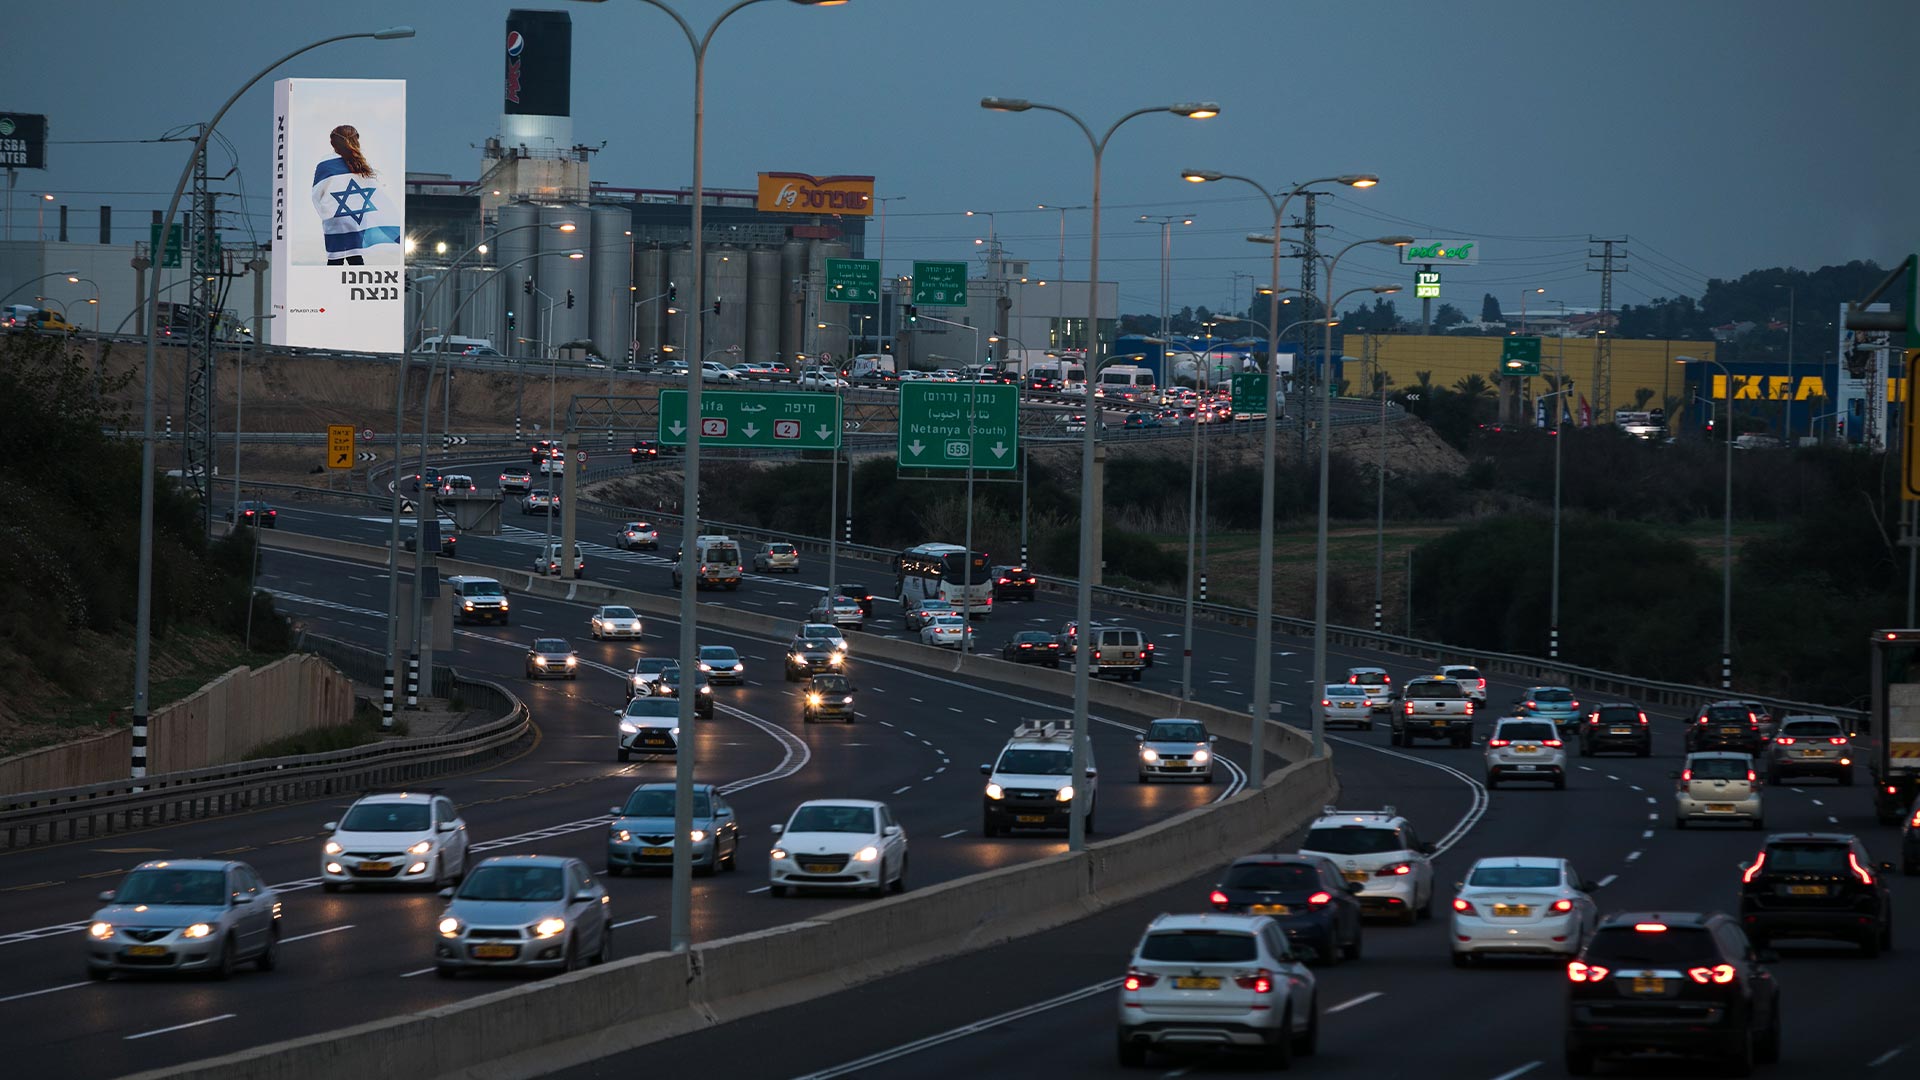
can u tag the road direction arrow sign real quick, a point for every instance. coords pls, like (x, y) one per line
(940, 284)
(339, 446)
(952, 425)
(1520, 356)
(788, 421)
(1249, 392)
(853, 281)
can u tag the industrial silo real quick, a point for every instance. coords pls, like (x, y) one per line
(726, 283)
(559, 276)
(792, 294)
(680, 273)
(650, 280)
(611, 286)
(763, 304)
(513, 241)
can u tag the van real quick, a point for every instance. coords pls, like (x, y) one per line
(1119, 650)
(1127, 382)
(478, 599)
(461, 346)
(716, 563)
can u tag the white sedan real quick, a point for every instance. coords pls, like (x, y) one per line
(946, 631)
(614, 621)
(1521, 906)
(839, 844)
(1346, 703)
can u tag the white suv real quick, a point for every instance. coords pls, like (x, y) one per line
(395, 838)
(1377, 850)
(1031, 785)
(1470, 680)
(1526, 749)
(1217, 982)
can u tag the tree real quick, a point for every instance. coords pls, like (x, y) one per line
(1490, 310)
(1641, 396)
(1447, 316)
(1473, 387)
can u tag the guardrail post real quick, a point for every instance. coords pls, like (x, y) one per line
(1376, 616)
(1203, 586)
(413, 681)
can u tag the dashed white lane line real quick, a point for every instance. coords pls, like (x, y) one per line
(630, 922)
(990, 720)
(182, 1027)
(1653, 817)
(316, 933)
(1586, 768)
(908, 734)
(953, 708)
(1523, 1070)
(886, 723)
(761, 889)
(1886, 1057)
(1817, 802)
(943, 836)
(1608, 880)
(1646, 834)
(412, 974)
(1632, 855)
(1831, 820)
(925, 779)
(903, 789)
(37, 993)
(1351, 1002)
(915, 700)
(875, 690)
(1636, 787)
(905, 1049)
(1610, 776)
(1650, 800)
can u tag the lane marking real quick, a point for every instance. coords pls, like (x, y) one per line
(1650, 801)
(1467, 821)
(906, 1049)
(70, 986)
(1817, 802)
(316, 933)
(1888, 1056)
(1637, 787)
(761, 889)
(1521, 1071)
(1632, 855)
(1610, 776)
(900, 790)
(1586, 768)
(181, 1027)
(1653, 817)
(943, 836)
(1647, 834)
(630, 922)
(1351, 1002)
(411, 974)
(1608, 880)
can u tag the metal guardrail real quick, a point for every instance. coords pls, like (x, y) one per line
(93, 810)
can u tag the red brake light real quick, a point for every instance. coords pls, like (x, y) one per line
(1325, 703)
(1837, 740)
(1483, 684)
(1026, 644)
(1532, 705)
(1137, 979)
(1643, 718)
(1581, 971)
(1463, 907)
(1784, 740)
(1915, 823)
(1650, 927)
(1718, 973)
(1496, 742)
(1686, 776)
(1551, 742)
(1217, 898)
(1865, 876)
(1320, 899)
(1353, 678)
(1409, 708)
(1702, 720)
(1469, 708)
(1750, 776)
(1563, 906)
(1576, 704)
(1394, 870)
(1260, 982)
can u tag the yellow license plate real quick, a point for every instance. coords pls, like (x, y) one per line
(1346, 704)
(656, 852)
(494, 952)
(821, 868)
(1355, 875)
(1721, 808)
(375, 866)
(1622, 731)
(1813, 753)
(146, 950)
(1439, 723)
(1271, 909)
(1031, 819)
(1526, 749)
(1196, 982)
(655, 742)
(1643, 984)
(1512, 909)
(1806, 890)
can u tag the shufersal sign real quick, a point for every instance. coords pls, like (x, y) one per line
(801, 193)
(1427, 252)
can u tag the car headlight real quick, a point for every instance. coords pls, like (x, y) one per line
(637, 684)
(777, 853)
(540, 660)
(1149, 755)
(1201, 757)
(572, 660)
(866, 854)
(469, 605)
(797, 659)
(421, 848)
(101, 930)
(332, 847)
(549, 927)
(837, 658)
(706, 689)
(197, 930)
(848, 700)
(995, 791)
(697, 835)
(676, 731)
(621, 835)
(449, 927)
(503, 605)
(813, 699)
(706, 667)
(1065, 794)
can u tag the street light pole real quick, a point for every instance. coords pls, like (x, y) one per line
(1090, 504)
(1726, 529)
(1786, 410)
(1194, 512)
(1560, 388)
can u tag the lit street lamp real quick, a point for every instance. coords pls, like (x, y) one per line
(1726, 530)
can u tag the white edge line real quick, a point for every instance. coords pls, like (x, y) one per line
(411, 974)
(1608, 880)
(943, 836)
(1521, 1071)
(630, 922)
(1351, 1002)
(974, 1028)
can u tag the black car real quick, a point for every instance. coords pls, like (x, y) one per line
(1818, 885)
(253, 512)
(1305, 894)
(1043, 384)
(811, 656)
(429, 479)
(830, 695)
(552, 658)
(644, 450)
(1032, 647)
(1013, 583)
(1725, 725)
(855, 592)
(1679, 983)
(668, 685)
(1615, 726)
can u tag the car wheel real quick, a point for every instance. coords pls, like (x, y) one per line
(1739, 1057)
(1493, 781)
(269, 957)
(1132, 1055)
(1426, 909)
(1870, 945)
(1846, 778)
(606, 945)
(1579, 1060)
(733, 858)
(1910, 866)
(1768, 1051)
(1280, 1051)
(1354, 947)
(1560, 782)
(228, 961)
(625, 755)
(1679, 822)
(900, 882)
(1366, 725)
(573, 958)
(1396, 739)
(776, 890)
(1307, 1042)
(988, 829)
(95, 974)
(1644, 751)
(614, 870)
(1144, 779)
(1759, 823)
(1463, 959)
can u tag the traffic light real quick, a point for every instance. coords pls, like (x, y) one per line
(526, 286)
(569, 299)
(673, 292)
(913, 314)
(716, 306)
(509, 322)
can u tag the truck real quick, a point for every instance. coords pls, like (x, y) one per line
(868, 365)
(716, 563)
(1433, 708)
(1892, 734)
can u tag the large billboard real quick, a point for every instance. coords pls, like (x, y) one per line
(801, 193)
(339, 214)
(23, 140)
(1433, 252)
(539, 64)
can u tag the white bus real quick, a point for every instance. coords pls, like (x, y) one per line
(942, 572)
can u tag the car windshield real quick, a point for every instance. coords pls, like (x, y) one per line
(1199, 947)
(718, 652)
(831, 684)
(1719, 768)
(813, 644)
(1729, 714)
(1811, 729)
(387, 817)
(1463, 673)
(1352, 840)
(658, 803)
(206, 888)
(550, 644)
(652, 665)
(844, 819)
(1036, 762)
(514, 883)
(1550, 696)
(641, 708)
(1514, 877)
(1272, 876)
(1370, 678)
(1676, 946)
(1346, 690)
(483, 588)
(1434, 689)
(616, 613)
(1531, 731)
(780, 549)
(1162, 731)
(819, 630)
(1815, 858)
(936, 605)
(1036, 637)
(954, 622)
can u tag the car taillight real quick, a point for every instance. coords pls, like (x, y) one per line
(1483, 684)
(1353, 678)
(1137, 979)
(1463, 907)
(1394, 870)
(1326, 704)
(1581, 971)
(1861, 872)
(1563, 906)
(1702, 720)
(1718, 973)
(1784, 740)
(1750, 776)
(1469, 708)
(1496, 742)
(1409, 708)
(1218, 899)
(1550, 742)
(1532, 705)
(1096, 654)
(1686, 776)
(1320, 899)
(1643, 718)
(1915, 823)
(1837, 740)
(1650, 927)
(1260, 982)
(1026, 644)
(1576, 704)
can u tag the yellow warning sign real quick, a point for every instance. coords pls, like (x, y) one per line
(339, 446)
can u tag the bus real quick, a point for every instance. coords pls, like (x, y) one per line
(942, 572)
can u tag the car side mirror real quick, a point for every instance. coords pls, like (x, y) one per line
(242, 898)
(1355, 887)
(890, 830)
(614, 810)
(1767, 956)
(446, 893)
(331, 826)
(584, 896)
(723, 812)
(1458, 885)
(106, 897)
(1426, 848)
(1213, 738)
(1092, 772)
(778, 829)
(1139, 738)
(447, 826)
(986, 770)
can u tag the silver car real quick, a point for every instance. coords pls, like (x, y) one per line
(185, 915)
(777, 558)
(641, 834)
(1176, 749)
(1810, 746)
(1718, 785)
(839, 611)
(524, 912)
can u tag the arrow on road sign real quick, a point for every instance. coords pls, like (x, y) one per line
(340, 460)
(677, 427)
(999, 449)
(751, 429)
(916, 446)
(824, 432)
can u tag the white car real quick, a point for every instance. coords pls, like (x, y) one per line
(635, 535)
(840, 611)
(714, 371)
(910, 375)
(395, 838)
(648, 725)
(839, 844)
(1521, 906)
(555, 465)
(946, 631)
(646, 671)
(1718, 785)
(548, 561)
(1377, 684)
(1523, 748)
(1470, 680)
(614, 621)
(819, 378)
(826, 632)
(1345, 703)
(1377, 850)
(1206, 983)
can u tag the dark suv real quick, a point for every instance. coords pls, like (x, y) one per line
(1820, 885)
(1671, 982)
(1618, 726)
(1305, 894)
(1725, 725)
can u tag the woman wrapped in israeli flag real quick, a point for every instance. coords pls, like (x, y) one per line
(355, 212)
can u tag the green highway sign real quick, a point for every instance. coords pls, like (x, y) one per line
(171, 259)
(789, 421)
(853, 281)
(1249, 392)
(1520, 356)
(954, 425)
(941, 284)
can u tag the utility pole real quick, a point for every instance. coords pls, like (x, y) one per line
(1602, 381)
(202, 268)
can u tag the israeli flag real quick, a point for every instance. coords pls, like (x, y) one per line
(354, 210)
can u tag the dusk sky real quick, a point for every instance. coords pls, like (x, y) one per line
(1718, 136)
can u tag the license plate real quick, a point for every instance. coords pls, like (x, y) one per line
(653, 742)
(1643, 984)
(494, 952)
(1270, 909)
(1512, 909)
(375, 866)
(1439, 723)
(1346, 704)
(1720, 808)
(1523, 768)
(146, 950)
(1196, 982)
(656, 852)
(1355, 875)
(1031, 819)
(821, 868)
(1734, 731)
(1813, 753)
(1621, 731)
(1806, 890)
(1526, 749)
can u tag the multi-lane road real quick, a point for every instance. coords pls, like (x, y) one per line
(1040, 1006)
